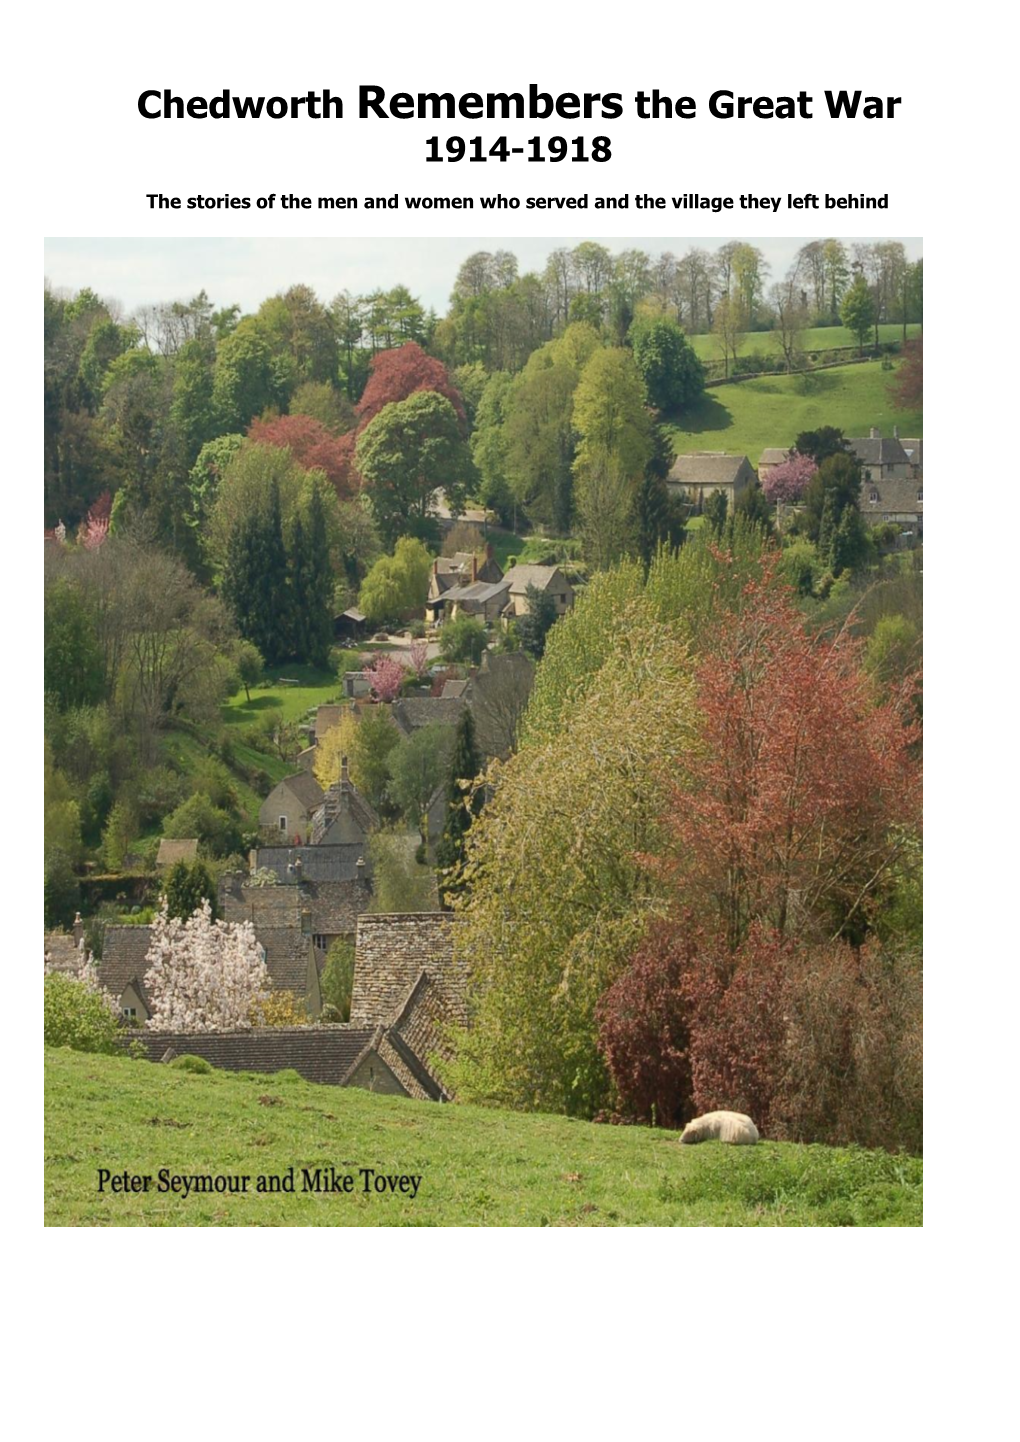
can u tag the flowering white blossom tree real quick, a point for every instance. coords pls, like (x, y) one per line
(204, 975)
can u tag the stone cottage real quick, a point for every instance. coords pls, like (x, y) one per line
(700, 474)
(289, 807)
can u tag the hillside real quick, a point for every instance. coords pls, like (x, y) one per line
(771, 411)
(477, 1166)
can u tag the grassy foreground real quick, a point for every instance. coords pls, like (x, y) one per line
(477, 1167)
(772, 411)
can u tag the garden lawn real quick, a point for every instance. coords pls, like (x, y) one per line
(315, 688)
(747, 416)
(828, 337)
(478, 1166)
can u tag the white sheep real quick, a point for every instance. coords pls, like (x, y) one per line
(731, 1127)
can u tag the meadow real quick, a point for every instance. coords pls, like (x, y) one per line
(828, 337)
(477, 1166)
(747, 416)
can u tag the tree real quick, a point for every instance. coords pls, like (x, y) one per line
(857, 310)
(72, 657)
(398, 374)
(789, 303)
(673, 375)
(753, 506)
(728, 331)
(186, 887)
(335, 747)
(821, 444)
(605, 509)
(715, 509)
(78, 1015)
(488, 446)
(499, 699)
(386, 676)
(417, 767)
(804, 773)
(255, 580)
(244, 379)
(310, 443)
(405, 454)
(215, 828)
(835, 486)
(400, 883)
(835, 271)
(463, 803)
(537, 621)
(203, 975)
(250, 666)
(311, 584)
(374, 739)
(555, 881)
(397, 586)
(788, 481)
(610, 414)
(908, 389)
(463, 640)
(338, 979)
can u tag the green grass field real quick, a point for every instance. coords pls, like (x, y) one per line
(746, 417)
(829, 337)
(316, 688)
(477, 1167)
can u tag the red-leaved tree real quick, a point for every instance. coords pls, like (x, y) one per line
(311, 445)
(397, 374)
(798, 803)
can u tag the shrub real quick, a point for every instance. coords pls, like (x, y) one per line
(279, 1008)
(338, 981)
(197, 1065)
(77, 1016)
(463, 640)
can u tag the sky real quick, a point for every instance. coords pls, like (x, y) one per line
(245, 271)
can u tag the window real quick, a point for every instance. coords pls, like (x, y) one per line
(873, 498)
(128, 1012)
(920, 495)
(283, 823)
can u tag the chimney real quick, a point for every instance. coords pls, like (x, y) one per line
(874, 433)
(79, 929)
(345, 775)
(435, 567)
(474, 568)
(306, 921)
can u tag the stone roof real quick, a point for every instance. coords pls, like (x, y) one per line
(123, 960)
(914, 448)
(412, 712)
(318, 863)
(305, 788)
(706, 468)
(288, 953)
(519, 578)
(326, 717)
(171, 851)
(391, 952)
(876, 450)
(897, 496)
(335, 906)
(773, 456)
(342, 798)
(423, 1022)
(62, 952)
(261, 905)
(454, 688)
(324, 1054)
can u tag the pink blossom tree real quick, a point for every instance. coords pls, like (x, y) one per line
(204, 975)
(788, 482)
(419, 658)
(95, 528)
(385, 675)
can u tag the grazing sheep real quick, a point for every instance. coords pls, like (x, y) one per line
(731, 1127)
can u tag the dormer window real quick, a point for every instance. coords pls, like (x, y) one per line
(283, 823)
(873, 497)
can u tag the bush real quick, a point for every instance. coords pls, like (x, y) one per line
(463, 640)
(279, 1008)
(197, 1065)
(74, 1015)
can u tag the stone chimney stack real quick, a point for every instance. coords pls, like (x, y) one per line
(474, 568)
(306, 921)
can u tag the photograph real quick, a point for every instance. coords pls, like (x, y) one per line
(483, 731)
